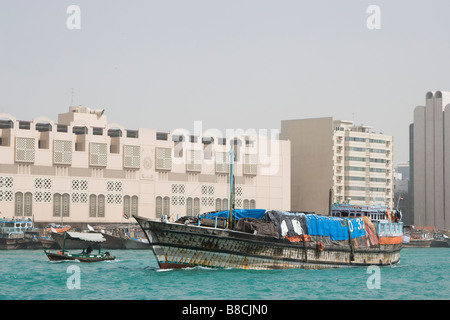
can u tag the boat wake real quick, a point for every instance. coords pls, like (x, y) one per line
(186, 269)
(63, 261)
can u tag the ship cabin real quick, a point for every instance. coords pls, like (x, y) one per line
(375, 213)
(14, 228)
(388, 222)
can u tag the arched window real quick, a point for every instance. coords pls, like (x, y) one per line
(65, 205)
(158, 207)
(92, 205)
(19, 204)
(57, 205)
(225, 204)
(166, 206)
(126, 205)
(252, 204)
(189, 208)
(218, 205)
(101, 205)
(246, 204)
(196, 206)
(28, 204)
(134, 205)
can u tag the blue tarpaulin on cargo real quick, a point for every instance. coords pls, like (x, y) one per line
(237, 214)
(334, 227)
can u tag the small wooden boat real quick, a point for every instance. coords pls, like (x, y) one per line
(86, 256)
(59, 256)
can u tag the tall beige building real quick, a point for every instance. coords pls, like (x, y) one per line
(82, 169)
(431, 161)
(337, 158)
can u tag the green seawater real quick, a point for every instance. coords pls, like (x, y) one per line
(422, 274)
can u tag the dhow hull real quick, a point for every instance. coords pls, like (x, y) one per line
(182, 246)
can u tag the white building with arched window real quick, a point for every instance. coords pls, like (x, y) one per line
(80, 169)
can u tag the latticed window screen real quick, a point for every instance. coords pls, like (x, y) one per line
(222, 162)
(6, 192)
(40, 196)
(62, 152)
(177, 200)
(25, 149)
(163, 158)
(178, 188)
(131, 157)
(114, 186)
(6, 195)
(207, 190)
(40, 193)
(207, 201)
(42, 183)
(250, 164)
(98, 154)
(6, 183)
(194, 160)
(114, 192)
(79, 191)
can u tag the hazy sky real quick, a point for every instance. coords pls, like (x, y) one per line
(231, 64)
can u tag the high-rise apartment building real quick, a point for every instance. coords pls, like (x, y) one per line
(338, 161)
(82, 169)
(431, 161)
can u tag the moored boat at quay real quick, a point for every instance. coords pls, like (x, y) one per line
(273, 240)
(115, 238)
(14, 233)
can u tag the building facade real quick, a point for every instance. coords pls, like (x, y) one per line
(402, 197)
(431, 159)
(82, 169)
(336, 161)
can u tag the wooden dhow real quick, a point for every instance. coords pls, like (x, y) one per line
(253, 244)
(260, 239)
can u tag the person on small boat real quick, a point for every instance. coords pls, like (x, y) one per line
(89, 250)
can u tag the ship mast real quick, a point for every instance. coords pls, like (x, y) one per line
(231, 200)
